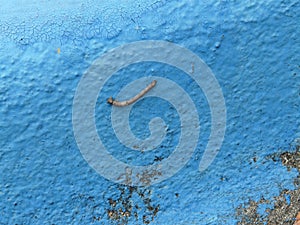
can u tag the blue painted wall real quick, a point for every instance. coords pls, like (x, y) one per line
(252, 47)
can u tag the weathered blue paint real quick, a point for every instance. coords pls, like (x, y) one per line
(253, 49)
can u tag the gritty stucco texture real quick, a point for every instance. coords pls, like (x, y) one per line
(252, 47)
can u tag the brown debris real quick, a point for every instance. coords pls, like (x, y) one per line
(297, 222)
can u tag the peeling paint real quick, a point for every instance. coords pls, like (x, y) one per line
(125, 207)
(282, 209)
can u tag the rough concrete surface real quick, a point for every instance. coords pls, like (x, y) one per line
(251, 46)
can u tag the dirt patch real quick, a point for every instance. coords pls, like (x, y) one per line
(285, 207)
(124, 207)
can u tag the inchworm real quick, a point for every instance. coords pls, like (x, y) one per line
(111, 101)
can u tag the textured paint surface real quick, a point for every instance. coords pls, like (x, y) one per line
(253, 49)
